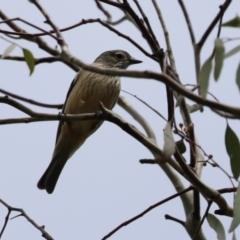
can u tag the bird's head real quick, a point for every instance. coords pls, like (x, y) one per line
(116, 59)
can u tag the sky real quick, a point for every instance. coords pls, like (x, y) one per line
(104, 184)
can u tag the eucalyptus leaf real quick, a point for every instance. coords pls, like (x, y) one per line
(236, 211)
(219, 57)
(181, 146)
(8, 50)
(232, 52)
(233, 149)
(234, 236)
(238, 77)
(217, 226)
(28, 56)
(204, 77)
(235, 22)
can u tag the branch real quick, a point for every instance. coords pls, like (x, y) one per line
(203, 218)
(37, 60)
(146, 126)
(159, 77)
(60, 39)
(146, 22)
(189, 25)
(223, 8)
(111, 117)
(28, 23)
(43, 116)
(23, 34)
(205, 190)
(166, 35)
(39, 41)
(104, 11)
(57, 106)
(168, 217)
(23, 213)
(146, 104)
(146, 211)
(145, 33)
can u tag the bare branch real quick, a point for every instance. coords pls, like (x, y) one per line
(60, 39)
(203, 218)
(104, 11)
(57, 106)
(160, 77)
(117, 21)
(146, 126)
(189, 25)
(45, 234)
(166, 35)
(168, 217)
(146, 104)
(37, 60)
(39, 41)
(223, 8)
(43, 116)
(28, 23)
(146, 22)
(146, 211)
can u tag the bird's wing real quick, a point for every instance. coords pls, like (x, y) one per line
(63, 109)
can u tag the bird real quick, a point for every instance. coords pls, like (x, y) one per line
(86, 92)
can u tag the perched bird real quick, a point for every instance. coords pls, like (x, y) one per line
(87, 90)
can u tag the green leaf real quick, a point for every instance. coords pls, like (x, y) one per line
(236, 211)
(169, 143)
(234, 236)
(217, 226)
(238, 77)
(219, 57)
(235, 22)
(204, 77)
(181, 146)
(8, 50)
(233, 149)
(232, 52)
(29, 59)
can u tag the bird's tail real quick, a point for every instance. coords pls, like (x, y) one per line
(50, 177)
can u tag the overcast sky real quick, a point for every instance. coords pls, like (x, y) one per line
(103, 184)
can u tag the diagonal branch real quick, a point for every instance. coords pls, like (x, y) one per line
(189, 24)
(45, 234)
(60, 40)
(223, 8)
(57, 106)
(146, 211)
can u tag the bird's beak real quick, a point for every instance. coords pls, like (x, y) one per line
(134, 61)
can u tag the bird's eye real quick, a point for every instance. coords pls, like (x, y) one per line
(119, 56)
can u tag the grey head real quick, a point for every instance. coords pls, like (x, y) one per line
(116, 59)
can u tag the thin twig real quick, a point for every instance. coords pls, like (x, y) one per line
(189, 25)
(146, 22)
(60, 39)
(30, 24)
(146, 211)
(203, 218)
(117, 21)
(223, 8)
(104, 11)
(57, 106)
(140, 119)
(166, 35)
(146, 104)
(157, 76)
(45, 234)
(168, 217)
(36, 60)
